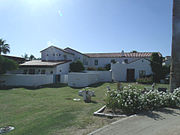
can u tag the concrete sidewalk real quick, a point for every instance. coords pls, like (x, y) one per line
(163, 122)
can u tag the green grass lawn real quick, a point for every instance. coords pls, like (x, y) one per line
(51, 110)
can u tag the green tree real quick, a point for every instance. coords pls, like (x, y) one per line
(7, 65)
(25, 56)
(4, 48)
(134, 51)
(156, 66)
(31, 57)
(76, 66)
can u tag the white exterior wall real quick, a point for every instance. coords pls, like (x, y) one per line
(63, 68)
(47, 70)
(26, 80)
(77, 56)
(119, 71)
(102, 62)
(82, 79)
(50, 51)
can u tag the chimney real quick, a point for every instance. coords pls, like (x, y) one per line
(122, 53)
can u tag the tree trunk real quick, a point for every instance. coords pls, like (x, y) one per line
(175, 65)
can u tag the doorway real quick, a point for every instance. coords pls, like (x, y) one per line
(130, 75)
(57, 78)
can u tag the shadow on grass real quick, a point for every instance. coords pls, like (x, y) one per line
(59, 85)
(90, 86)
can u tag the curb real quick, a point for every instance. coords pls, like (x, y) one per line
(99, 113)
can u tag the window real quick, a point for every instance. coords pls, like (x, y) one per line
(126, 61)
(43, 71)
(53, 54)
(59, 54)
(65, 57)
(51, 72)
(47, 55)
(39, 71)
(86, 63)
(31, 71)
(142, 73)
(95, 62)
(113, 61)
(25, 71)
(59, 70)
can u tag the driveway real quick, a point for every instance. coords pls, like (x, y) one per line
(163, 122)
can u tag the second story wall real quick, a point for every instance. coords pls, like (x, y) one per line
(54, 54)
(79, 56)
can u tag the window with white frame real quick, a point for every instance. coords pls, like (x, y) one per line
(43, 71)
(142, 73)
(96, 62)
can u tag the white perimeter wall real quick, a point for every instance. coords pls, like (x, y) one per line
(26, 80)
(103, 76)
(88, 78)
(119, 71)
(82, 79)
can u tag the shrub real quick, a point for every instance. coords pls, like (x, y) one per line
(91, 69)
(108, 67)
(156, 66)
(101, 69)
(132, 100)
(145, 80)
(76, 66)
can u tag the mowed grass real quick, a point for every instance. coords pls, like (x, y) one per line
(51, 110)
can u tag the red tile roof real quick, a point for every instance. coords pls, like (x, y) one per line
(15, 58)
(115, 55)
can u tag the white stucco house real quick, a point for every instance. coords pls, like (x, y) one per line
(55, 63)
(131, 71)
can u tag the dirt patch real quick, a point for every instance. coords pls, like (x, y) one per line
(98, 122)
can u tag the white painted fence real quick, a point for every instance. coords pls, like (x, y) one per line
(25, 80)
(88, 78)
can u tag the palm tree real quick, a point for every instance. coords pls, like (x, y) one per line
(4, 48)
(175, 65)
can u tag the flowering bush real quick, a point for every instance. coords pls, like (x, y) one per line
(132, 100)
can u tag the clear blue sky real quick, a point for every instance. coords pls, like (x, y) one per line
(86, 25)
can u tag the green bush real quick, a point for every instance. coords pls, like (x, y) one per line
(145, 80)
(76, 66)
(91, 69)
(108, 67)
(132, 101)
(101, 69)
